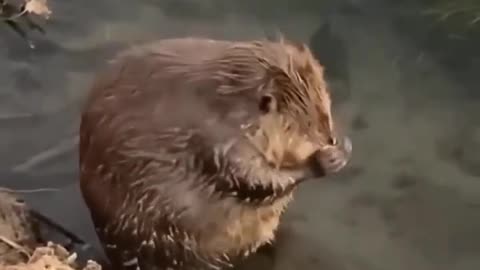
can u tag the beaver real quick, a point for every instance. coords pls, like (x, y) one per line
(191, 148)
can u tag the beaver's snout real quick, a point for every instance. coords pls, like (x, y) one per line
(333, 158)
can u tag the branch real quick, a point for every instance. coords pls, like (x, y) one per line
(49, 154)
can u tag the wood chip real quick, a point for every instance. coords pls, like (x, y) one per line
(38, 7)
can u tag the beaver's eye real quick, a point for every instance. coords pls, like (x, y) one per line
(264, 103)
(267, 104)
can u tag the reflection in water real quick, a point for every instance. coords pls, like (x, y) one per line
(405, 85)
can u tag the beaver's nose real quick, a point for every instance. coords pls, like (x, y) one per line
(333, 159)
(347, 145)
(343, 144)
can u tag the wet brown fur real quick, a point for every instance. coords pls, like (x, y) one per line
(288, 71)
(128, 121)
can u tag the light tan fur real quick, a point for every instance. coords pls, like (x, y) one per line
(288, 71)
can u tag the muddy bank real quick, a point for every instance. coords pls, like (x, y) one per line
(409, 199)
(22, 244)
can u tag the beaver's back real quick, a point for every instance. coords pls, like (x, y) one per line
(161, 85)
(136, 132)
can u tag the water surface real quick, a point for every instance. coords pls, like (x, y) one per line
(405, 89)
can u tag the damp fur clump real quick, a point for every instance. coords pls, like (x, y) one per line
(188, 160)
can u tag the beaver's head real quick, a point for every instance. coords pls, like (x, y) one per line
(295, 129)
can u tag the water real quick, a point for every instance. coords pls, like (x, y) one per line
(405, 90)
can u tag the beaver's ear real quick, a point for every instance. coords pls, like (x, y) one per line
(268, 103)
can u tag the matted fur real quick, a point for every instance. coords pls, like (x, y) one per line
(180, 167)
(285, 69)
(293, 76)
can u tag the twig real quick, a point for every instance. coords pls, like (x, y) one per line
(74, 238)
(475, 20)
(15, 246)
(15, 16)
(51, 153)
(18, 191)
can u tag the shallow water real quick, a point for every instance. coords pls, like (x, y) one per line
(408, 96)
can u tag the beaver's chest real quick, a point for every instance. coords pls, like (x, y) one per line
(239, 230)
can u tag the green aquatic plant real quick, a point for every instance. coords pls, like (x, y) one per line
(457, 15)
